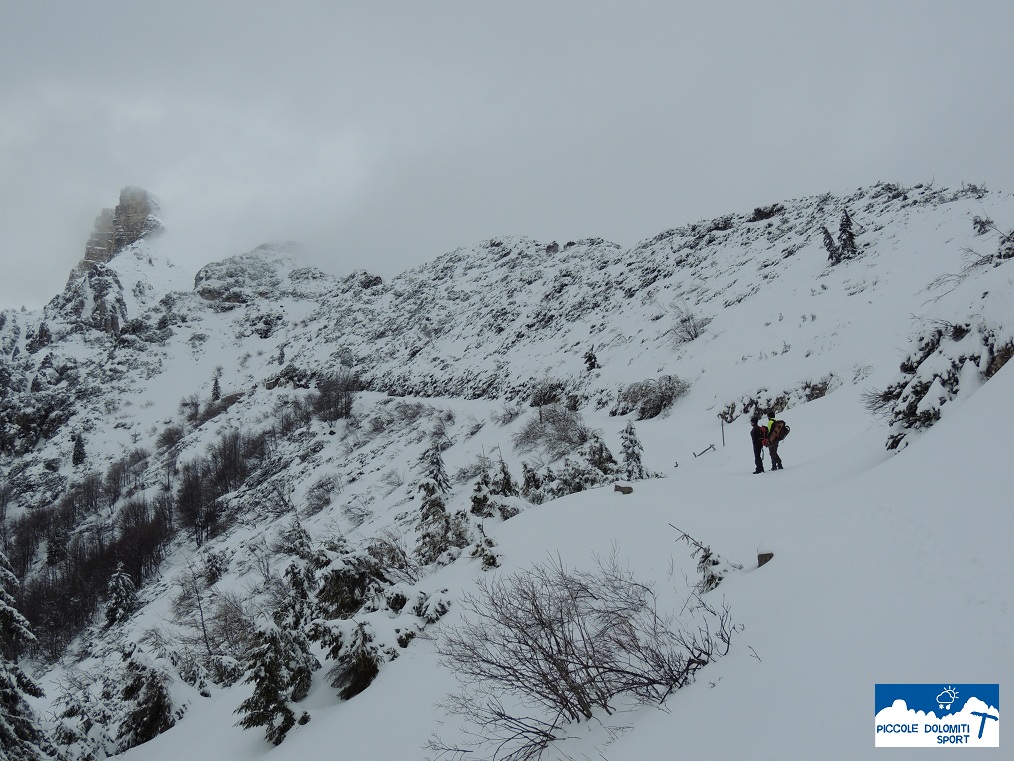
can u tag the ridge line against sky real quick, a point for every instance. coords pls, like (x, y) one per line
(383, 135)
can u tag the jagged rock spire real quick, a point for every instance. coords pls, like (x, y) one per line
(135, 217)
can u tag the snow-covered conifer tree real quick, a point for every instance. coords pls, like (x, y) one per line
(298, 607)
(21, 737)
(597, 454)
(433, 469)
(78, 457)
(153, 712)
(293, 619)
(56, 546)
(480, 497)
(434, 523)
(503, 482)
(833, 252)
(531, 482)
(121, 595)
(846, 236)
(279, 670)
(631, 449)
(357, 664)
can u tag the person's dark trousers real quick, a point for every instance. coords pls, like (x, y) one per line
(776, 461)
(758, 463)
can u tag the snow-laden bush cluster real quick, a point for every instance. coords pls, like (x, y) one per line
(949, 360)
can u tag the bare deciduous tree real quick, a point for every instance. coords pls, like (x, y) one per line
(565, 644)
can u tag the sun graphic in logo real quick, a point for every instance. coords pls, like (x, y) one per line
(946, 698)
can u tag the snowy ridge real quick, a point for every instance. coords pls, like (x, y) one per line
(450, 355)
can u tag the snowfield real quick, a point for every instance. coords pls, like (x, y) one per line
(889, 565)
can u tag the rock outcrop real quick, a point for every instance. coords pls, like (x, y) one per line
(135, 217)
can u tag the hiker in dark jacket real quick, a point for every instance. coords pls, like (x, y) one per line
(759, 436)
(774, 434)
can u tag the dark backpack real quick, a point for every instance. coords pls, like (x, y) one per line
(779, 431)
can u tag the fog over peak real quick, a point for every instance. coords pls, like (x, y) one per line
(382, 137)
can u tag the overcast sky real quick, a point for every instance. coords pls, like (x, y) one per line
(383, 134)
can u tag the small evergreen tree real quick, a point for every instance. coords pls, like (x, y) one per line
(56, 545)
(531, 482)
(846, 236)
(434, 523)
(121, 595)
(152, 712)
(833, 252)
(278, 669)
(21, 737)
(78, 457)
(631, 449)
(297, 611)
(292, 619)
(503, 483)
(216, 389)
(597, 454)
(433, 469)
(295, 540)
(590, 360)
(574, 476)
(357, 663)
(480, 497)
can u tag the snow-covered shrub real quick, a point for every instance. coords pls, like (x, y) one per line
(1005, 250)
(293, 540)
(481, 504)
(764, 400)
(507, 414)
(547, 391)
(391, 552)
(319, 495)
(766, 212)
(982, 225)
(502, 482)
(350, 581)
(949, 360)
(712, 567)
(170, 436)
(687, 325)
(215, 566)
(432, 607)
(555, 430)
(591, 466)
(86, 714)
(568, 644)
(484, 551)
(434, 524)
(572, 477)
(650, 398)
(335, 395)
(999, 357)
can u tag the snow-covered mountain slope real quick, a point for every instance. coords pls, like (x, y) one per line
(885, 570)
(131, 393)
